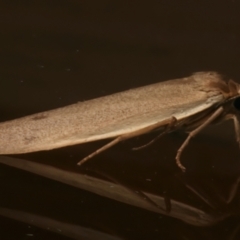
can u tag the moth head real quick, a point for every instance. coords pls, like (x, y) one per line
(228, 88)
(231, 92)
(234, 88)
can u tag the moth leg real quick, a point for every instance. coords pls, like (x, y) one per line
(236, 126)
(167, 129)
(124, 137)
(193, 133)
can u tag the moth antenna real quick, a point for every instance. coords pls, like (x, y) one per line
(127, 136)
(151, 142)
(168, 128)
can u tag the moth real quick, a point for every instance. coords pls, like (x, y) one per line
(189, 103)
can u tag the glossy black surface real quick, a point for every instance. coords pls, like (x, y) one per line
(54, 53)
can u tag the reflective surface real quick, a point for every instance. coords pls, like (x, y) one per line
(58, 53)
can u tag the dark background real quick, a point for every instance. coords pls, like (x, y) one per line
(54, 53)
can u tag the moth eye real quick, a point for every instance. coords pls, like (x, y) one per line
(236, 103)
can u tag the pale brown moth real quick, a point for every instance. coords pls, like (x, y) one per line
(190, 103)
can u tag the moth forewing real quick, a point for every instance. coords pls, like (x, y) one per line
(120, 116)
